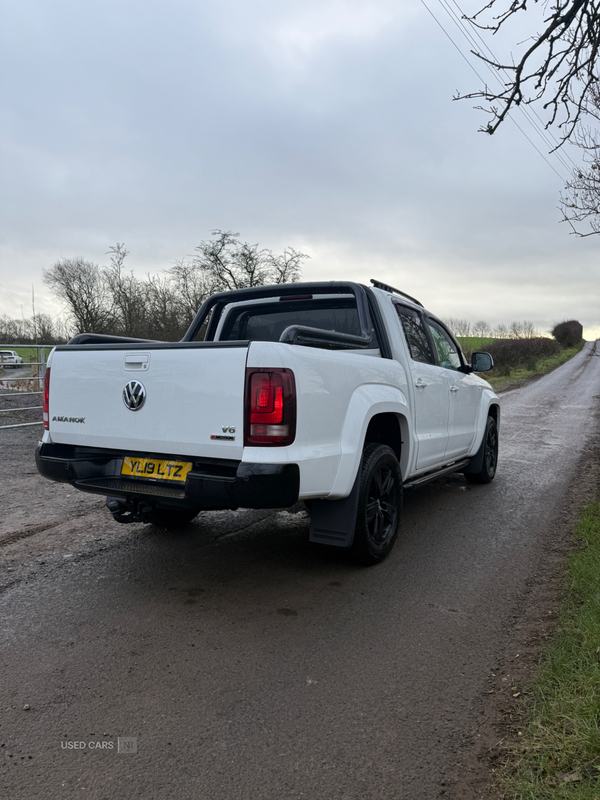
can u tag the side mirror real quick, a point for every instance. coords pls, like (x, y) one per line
(481, 362)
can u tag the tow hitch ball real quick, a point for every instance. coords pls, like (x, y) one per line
(128, 510)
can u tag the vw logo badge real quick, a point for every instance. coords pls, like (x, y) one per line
(134, 395)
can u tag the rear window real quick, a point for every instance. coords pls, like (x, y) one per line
(414, 333)
(266, 322)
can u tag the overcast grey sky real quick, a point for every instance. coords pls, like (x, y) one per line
(325, 125)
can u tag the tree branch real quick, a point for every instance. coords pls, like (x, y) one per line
(560, 65)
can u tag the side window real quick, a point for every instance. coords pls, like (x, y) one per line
(446, 350)
(416, 338)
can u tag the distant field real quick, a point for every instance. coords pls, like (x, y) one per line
(26, 353)
(471, 343)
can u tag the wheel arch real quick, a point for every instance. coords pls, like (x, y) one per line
(376, 414)
(491, 408)
(392, 429)
(494, 411)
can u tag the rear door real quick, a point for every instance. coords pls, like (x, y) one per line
(430, 390)
(463, 388)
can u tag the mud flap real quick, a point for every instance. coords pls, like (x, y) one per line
(333, 521)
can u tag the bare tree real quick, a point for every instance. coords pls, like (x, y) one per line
(24, 331)
(10, 330)
(481, 328)
(166, 318)
(529, 330)
(286, 268)
(128, 294)
(514, 330)
(63, 328)
(501, 331)
(45, 329)
(191, 285)
(459, 327)
(580, 202)
(558, 67)
(522, 330)
(110, 300)
(81, 285)
(227, 263)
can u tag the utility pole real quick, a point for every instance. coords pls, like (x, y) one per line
(33, 309)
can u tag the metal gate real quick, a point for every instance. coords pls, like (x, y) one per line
(22, 384)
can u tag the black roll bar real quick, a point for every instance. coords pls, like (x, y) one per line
(299, 334)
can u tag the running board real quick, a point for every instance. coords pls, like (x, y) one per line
(431, 476)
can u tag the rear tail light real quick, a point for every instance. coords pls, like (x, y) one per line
(46, 400)
(270, 413)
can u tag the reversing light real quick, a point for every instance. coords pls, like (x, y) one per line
(270, 413)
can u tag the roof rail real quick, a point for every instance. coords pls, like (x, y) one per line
(388, 288)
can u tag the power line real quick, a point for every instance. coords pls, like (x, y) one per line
(562, 178)
(546, 134)
(466, 33)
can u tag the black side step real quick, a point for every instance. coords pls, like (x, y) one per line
(432, 476)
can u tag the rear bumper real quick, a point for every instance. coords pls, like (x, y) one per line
(211, 484)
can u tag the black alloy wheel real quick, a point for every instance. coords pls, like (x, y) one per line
(490, 455)
(379, 505)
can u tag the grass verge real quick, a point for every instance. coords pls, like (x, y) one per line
(519, 375)
(557, 755)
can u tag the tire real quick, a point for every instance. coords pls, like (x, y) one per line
(379, 505)
(490, 455)
(172, 518)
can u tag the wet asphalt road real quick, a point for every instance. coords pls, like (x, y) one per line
(247, 664)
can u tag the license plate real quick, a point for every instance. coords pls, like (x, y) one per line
(156, 468)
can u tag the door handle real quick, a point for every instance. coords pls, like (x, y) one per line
(454, 389)
(420, 383)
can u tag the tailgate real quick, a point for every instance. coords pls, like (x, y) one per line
(190, 394)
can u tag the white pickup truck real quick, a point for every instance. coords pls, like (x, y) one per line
(332, 392)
